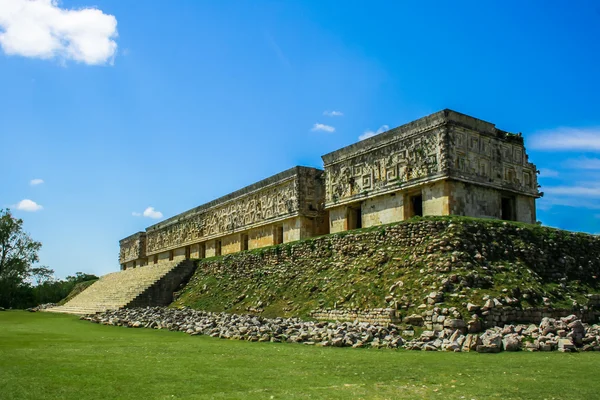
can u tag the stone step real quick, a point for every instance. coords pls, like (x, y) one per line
(117, 289)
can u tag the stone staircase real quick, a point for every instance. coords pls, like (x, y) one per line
(151, 285)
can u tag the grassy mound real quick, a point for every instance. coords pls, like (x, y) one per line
(449, 261)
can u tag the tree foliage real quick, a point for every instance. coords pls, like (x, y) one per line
(21, 284)
(17, 250)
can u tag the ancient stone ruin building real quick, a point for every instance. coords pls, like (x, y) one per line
(444, 164)
(283, 208)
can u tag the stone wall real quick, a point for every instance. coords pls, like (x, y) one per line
(503, 315)
(482, 154)
(132, 248)
(285, 207)
(161, 292)
(551, 253)
(373, 316)
(434, 320)
(285, 195)
(402, 157)
(457, 165)
(399, 266)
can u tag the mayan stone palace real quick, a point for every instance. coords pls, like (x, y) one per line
(446, 163)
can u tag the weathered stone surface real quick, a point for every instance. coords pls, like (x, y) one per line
(472, 307)
(511, 342)
(488, 348)
(414, 319)
(565, 345)
(295, 195)
(446, 144)
(454, 324)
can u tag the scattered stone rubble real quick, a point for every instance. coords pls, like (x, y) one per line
(42, 307)
(567, 334)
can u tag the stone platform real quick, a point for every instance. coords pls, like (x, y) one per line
(151, 285)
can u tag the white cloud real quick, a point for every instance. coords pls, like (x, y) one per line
(28, 205)
(548, 173)
(37, 181)
(367, 134)
(150, 212)
(547, 202)
(322, 127)
(567, 139)
(583, 163)
(333, 113)
(583, 191)
(41, 29)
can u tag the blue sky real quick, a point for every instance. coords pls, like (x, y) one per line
(169, 105)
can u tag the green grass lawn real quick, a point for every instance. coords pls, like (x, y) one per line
(49, 356)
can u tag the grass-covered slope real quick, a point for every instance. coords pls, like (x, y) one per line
(78, 288)
(450, 260)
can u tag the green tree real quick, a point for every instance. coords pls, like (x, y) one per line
(17, 254)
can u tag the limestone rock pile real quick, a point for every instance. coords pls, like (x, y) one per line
(254, 328)
(565, 334)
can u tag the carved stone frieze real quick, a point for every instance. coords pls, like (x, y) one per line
(491, 161)
(391, 166)
(296, 195)
(132, 248)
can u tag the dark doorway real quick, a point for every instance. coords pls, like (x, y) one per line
(217, 247)
(354, 218)
(244, 241)
(156, 259)
(508, 208)
(188, 252)
(278, 234)
(202, 250)
(417, 205)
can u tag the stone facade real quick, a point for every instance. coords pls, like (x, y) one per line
(133, 250)
(444, 164)
(283, 208)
